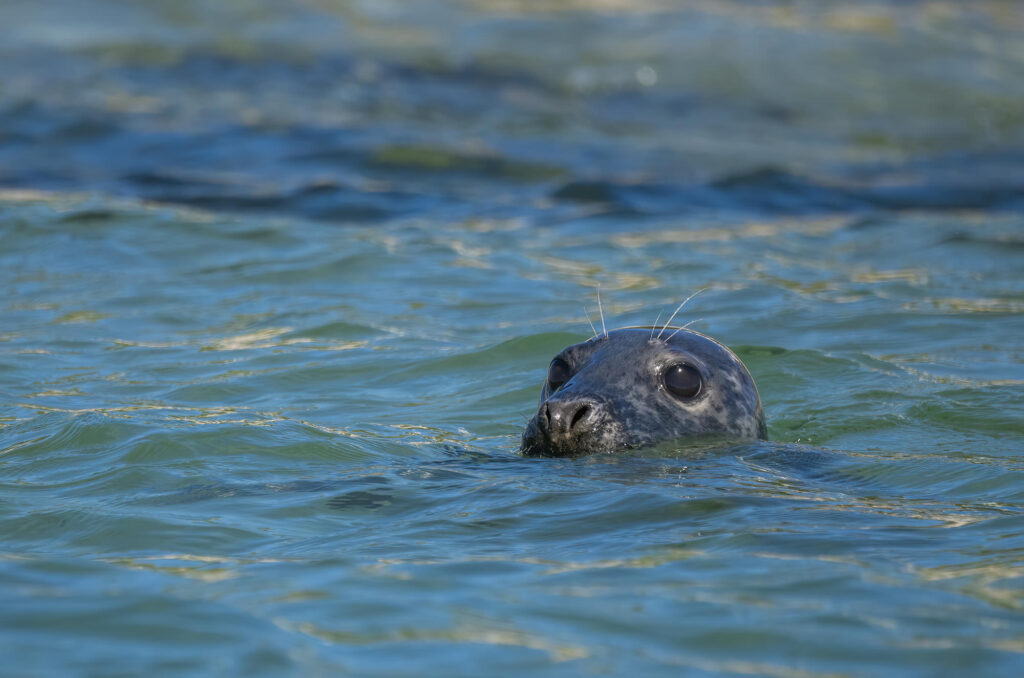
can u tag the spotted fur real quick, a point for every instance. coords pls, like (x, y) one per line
(616, 399)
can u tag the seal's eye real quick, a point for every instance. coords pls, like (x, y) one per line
(558, 373)
(682, 381)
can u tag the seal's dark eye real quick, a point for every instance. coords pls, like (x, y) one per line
(558, 373)
(682, 380)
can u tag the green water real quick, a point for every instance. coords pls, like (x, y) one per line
(280, 283)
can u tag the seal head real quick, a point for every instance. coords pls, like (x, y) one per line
(628, 389)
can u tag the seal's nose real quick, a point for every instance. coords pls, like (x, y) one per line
(566, 425)
(565, 418)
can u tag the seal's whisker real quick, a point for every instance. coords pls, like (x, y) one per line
(591, 322)
(604, 330)
(678, 309)
(696, 320)
(655, 325)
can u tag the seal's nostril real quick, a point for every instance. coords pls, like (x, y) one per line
(582, 412)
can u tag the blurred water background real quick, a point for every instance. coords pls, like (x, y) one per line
(281, 279)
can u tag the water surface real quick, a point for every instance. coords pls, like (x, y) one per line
(281, 282)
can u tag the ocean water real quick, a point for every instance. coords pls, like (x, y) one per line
(281, 280)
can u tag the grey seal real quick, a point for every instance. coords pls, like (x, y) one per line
(630, 388)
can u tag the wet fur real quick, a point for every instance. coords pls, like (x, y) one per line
(618, 375)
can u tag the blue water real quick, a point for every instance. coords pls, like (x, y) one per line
(281, 281)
